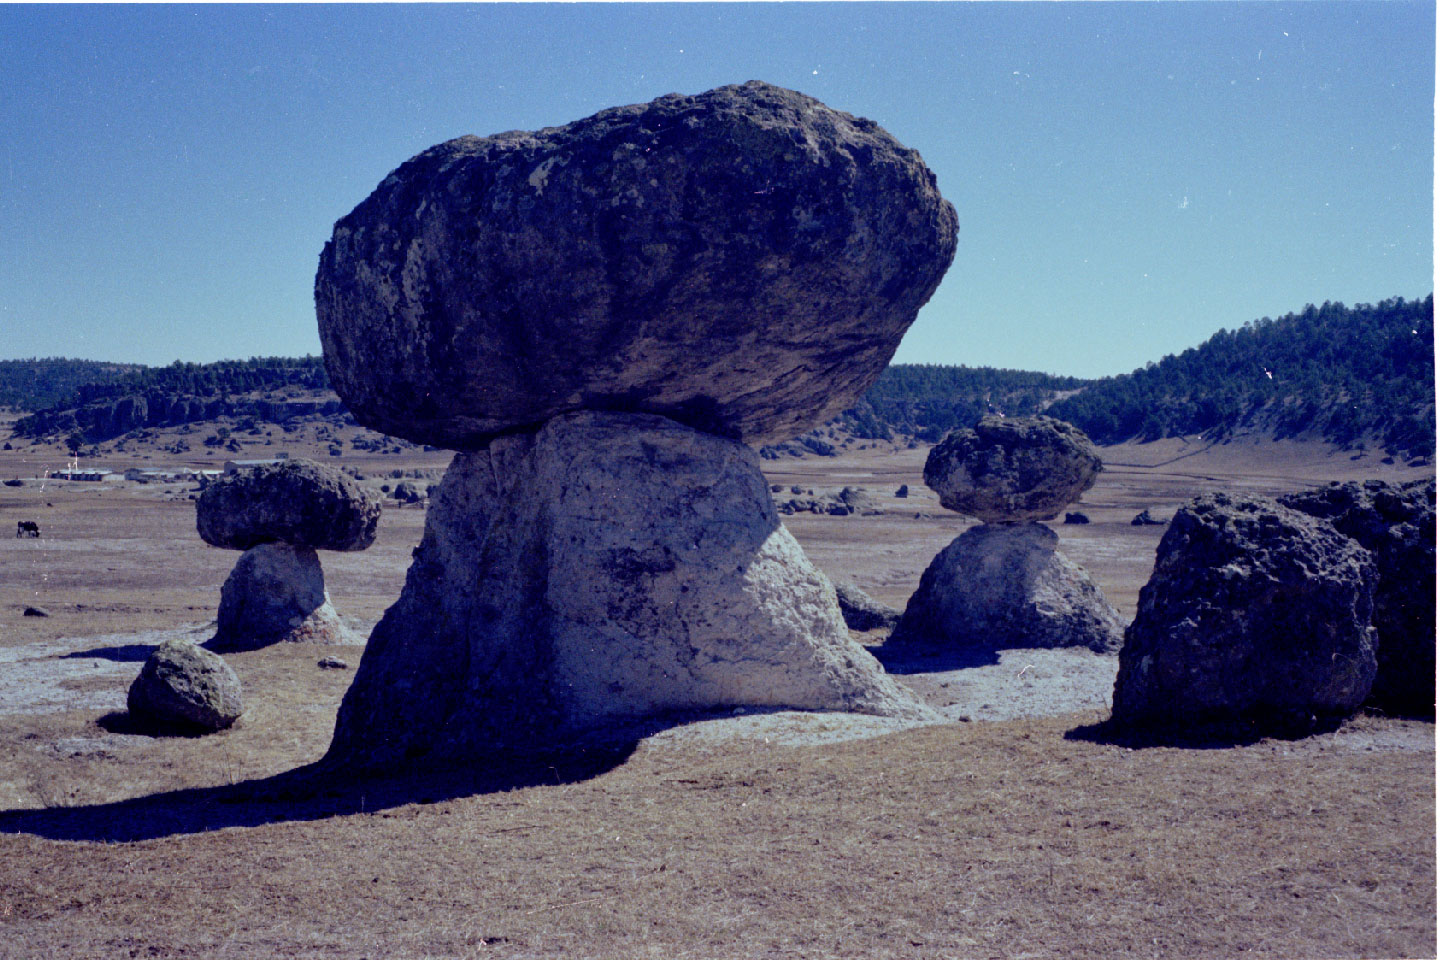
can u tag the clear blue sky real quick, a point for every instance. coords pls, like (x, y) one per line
(1129, 177)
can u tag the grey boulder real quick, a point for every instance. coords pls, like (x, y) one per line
(185, 689)
(1012, 469)
(297, 502)
(1397, 525)
(276, 594)
(1256, 620)
(607, 567)
(862, 611)
(999, 587)
(745, 261)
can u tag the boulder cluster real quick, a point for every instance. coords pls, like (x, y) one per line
(600, 317)
(1005, 583)
(1267, 616)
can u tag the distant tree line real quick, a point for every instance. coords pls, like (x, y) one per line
(1347, 375)
(929, 400)
(38, 383)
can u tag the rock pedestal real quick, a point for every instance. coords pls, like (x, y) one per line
(276, 594)
(1000, 586)
(1256, 618)
(607, 567)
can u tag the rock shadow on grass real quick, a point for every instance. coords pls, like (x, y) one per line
(907, 658)
(1203, 736)
(312, 792)
(123, 653)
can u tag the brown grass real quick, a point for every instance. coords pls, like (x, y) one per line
(1015, 839)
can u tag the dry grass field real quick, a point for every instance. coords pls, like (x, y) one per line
(1034, 836)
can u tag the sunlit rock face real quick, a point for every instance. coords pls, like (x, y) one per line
(606, 567)
(1256, 618)
(744, 261)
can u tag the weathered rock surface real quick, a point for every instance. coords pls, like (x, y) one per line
(1257, 617)
(608, 566)
(1012, 469)
(862, 611)
(1144, 519)
(297, 502)
(1397, 525)
(185, 689)
(744, 261)
(276, 594)
(1002, 586)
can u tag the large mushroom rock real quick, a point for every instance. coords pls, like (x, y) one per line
(298, 502)
(276, 594)
(1012, 469)
(744, 261)
(606, 567)
(1256, 619)
(1397, 525)
(998, 587)
(184, 689)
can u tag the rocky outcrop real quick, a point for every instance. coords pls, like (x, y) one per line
(1012, 469)
(298, 502)
(1257, 617)
(999, 587)
(184, 689)
(863, 612)
(276, 594)
(1397, 525)
(606, 567)
(744, 261)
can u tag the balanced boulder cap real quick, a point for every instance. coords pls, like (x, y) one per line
(1257, 617)
(296, 501)
(1012, 469)
(744, 261)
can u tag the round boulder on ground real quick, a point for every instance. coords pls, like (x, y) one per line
(1256, 620)
(744, 261)
(1397, 525)
(293, 501)
(1012, 469)
(185, 689)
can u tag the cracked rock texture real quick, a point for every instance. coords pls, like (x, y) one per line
(1012, 469)
(606, 567)
(1001, 586)
(298, 502)
(744, 261)
(276, 594)
(1397, 525)
(1257, 618)
(184, 689)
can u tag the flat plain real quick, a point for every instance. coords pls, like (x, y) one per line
(1014, 830)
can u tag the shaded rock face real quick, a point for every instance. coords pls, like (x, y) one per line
(744, 261)
(184, 689)
(1012, 469)
(275, 594)
(862, 611)
(296, 502)
(998, 587)
(606, 567)
(1397, 525)
(1256, 618)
